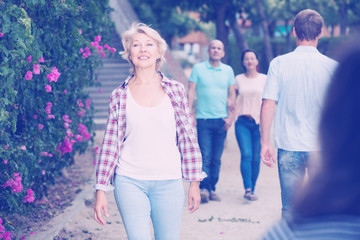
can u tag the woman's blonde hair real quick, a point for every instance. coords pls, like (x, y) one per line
(127, 38)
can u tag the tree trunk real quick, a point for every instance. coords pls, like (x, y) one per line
(265, 27)
(288, 36)
(343, 18)
(222, 31)
(240, 39)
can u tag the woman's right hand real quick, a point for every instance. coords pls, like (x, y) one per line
(100, 204)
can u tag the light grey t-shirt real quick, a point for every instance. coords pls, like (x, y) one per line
(298, 81)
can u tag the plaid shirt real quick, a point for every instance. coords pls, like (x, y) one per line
(191, 160)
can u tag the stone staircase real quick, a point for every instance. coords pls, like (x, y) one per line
(111, 75)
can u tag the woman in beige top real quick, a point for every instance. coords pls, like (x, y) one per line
(250, 86)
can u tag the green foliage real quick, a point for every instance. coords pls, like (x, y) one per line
(48, 29)
(164, 16)
(327, 46)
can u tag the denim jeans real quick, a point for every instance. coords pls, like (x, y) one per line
(292, 167)
(211, 136)
(247, 134)
(140, 200)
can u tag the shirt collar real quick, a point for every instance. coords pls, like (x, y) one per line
(306, 49)
(208, 65)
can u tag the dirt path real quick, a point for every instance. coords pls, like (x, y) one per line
(232, 218)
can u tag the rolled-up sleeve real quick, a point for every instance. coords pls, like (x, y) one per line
(108, 154)
(188, 143)
(271, 90)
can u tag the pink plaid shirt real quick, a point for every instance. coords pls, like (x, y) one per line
(191, 160)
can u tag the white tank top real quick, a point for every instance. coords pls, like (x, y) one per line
(150, 151)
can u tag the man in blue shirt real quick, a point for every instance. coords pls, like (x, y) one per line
(294, 93)
(212, 82)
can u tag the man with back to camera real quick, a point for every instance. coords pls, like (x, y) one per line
(294, 93)
(213, 83)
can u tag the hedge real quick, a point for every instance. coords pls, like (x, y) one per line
(49, 51)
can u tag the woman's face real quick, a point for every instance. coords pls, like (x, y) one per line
(250, 61)
(144, 51)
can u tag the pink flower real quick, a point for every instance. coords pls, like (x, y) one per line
(48, 108)
(66, 146)
(29, 197)
(98, 38)
(79, 103)
(87, 53)
(35, 116)
(14, 183)
(43, 172)
(96, 150)
(29, 58)
(1, 34)
(44, 154)
(23, 147)
(69, 133)
(83, 130)
(32, 233)
(7, 236)
(88, 102)
(80, 31)
(78, 138)
(51, 117)
(48, 88)
(66, 125)
(6, 146)
(81, 50)
(54, 75)
(36, 68)
(50, 155)
(5, 161)
(81, 112)
(41, 60)
(41, 126)
(113, 50)
(65, 91)
(66, 118)
(94, 44)
(106, 46)
(102, 54)
(28, 75)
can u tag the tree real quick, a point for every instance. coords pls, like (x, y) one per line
(265, 27)
(164, 16)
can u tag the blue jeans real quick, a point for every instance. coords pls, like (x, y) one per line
(211, 136)
(292, 167)
(140, 200)
(248, 137)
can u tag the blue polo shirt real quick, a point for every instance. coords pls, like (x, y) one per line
(212, 89)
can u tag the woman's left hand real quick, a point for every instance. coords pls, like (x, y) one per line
(194, 197)
(228, 121)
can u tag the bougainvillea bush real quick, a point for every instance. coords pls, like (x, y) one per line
(49, 51)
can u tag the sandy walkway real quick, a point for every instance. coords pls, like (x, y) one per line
(232, 218)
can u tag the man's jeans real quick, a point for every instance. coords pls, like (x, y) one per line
(292, 167)
(211, 136)
(248, 137)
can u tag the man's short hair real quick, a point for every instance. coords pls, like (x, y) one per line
(308, 24)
